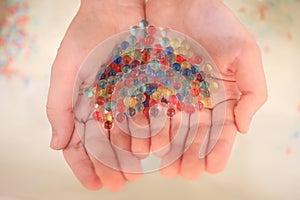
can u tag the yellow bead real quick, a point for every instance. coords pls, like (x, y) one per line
(189, 54)
(195, 84)
(186, 64)
(130, 101)
(178, 50)
(186, 45)
(175, 43)
(207, 103)
(156, 96)
(213, 86)
(107, 117)
(208, 68)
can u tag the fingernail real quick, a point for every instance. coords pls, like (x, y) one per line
(54, 142)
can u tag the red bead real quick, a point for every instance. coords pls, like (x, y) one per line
(171, 112)
(135, 63)
(180, 59)
(173, 99)
(126, 59)
(157, 48)
(109, 89)
(98, 116)
(100, 101)
(151, 30)
(180, 106)
(108, 125)
(149, 40)
(153, 103)
(190, 109)
(195, 92)
(146, 56)
(119, 68)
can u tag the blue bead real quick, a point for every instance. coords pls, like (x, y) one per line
(180, 96)
(169, 50)
(88, 92)
(112, 80)
(124, 45)
(146, 103)
(117, 59)
(195, 69)
(112, 72)
(136, 82)
(166, 82)
(149, 72)
(154, 64)
(176, 66)
(132, 40)
(164, 41)
(160, 74)
(126, 68)
(99, 75)
(186, 72)
(134, 30)
(102, 84)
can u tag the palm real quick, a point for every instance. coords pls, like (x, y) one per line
(212, 25)
(87, 30)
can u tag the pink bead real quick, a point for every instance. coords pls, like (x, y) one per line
(189, 109)
(151, 30)
(120, 117)
(129, 82)
(173, 99)
(197, 59)
(134, 73)
(98, 116)
(200, 105)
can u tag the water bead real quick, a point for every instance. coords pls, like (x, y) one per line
(112, 72)
(173, 99)
(109, 89)
(139, 107)
(98, 116)
(205, 94)
(213, 86)
(121, 106)
(149, 40)
(110, 105)
(120, 117)
(131, 112)
(175, 43)
(154, 111)
(171, 58)
(151, 30)
(207, 103)
(107, 117)
(186, 72)
(146, 56)
(189, 53)
(139, 46)
(188, 100)
(171, 112)
(149, 72)
(180, 97)
(140, 97)
(144, 23)
(169, 50)
(160, 74)
(200, 77)
(156, 96)
(136, 83)
(126, 59)
(154, 64)
(204, 85)
(195, 84)
(102, 84)
(143, 88)
(189, 109)
(88, 92)
(134, 73)
(132, 40)
(185, 44)
(108, 125)
(176, 85)
(119, 77)
(112, 80)
(129, 82)
(180, 106)
(123, 92)
(160, 56)
(195, 69)
(190, 78)
(134, 30)
(117, 59)
(186, 64)
(117, 51)
(164, 41)
(167, 82)
(100, 100)
(176, 66)
(208, 68)
(180, 59)
(143, 78)
(195, 92)
(135, 63)
(124, 45)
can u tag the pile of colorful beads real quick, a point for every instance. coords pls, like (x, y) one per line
(147, 71)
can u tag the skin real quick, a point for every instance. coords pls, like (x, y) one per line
(237, 57)
(94, 22)
(232, 48)
(2, 10)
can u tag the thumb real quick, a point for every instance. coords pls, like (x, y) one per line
(59, 104)
(252, 84)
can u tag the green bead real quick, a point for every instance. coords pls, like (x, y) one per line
(204, 85)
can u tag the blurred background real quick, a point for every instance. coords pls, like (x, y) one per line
(265, 164)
